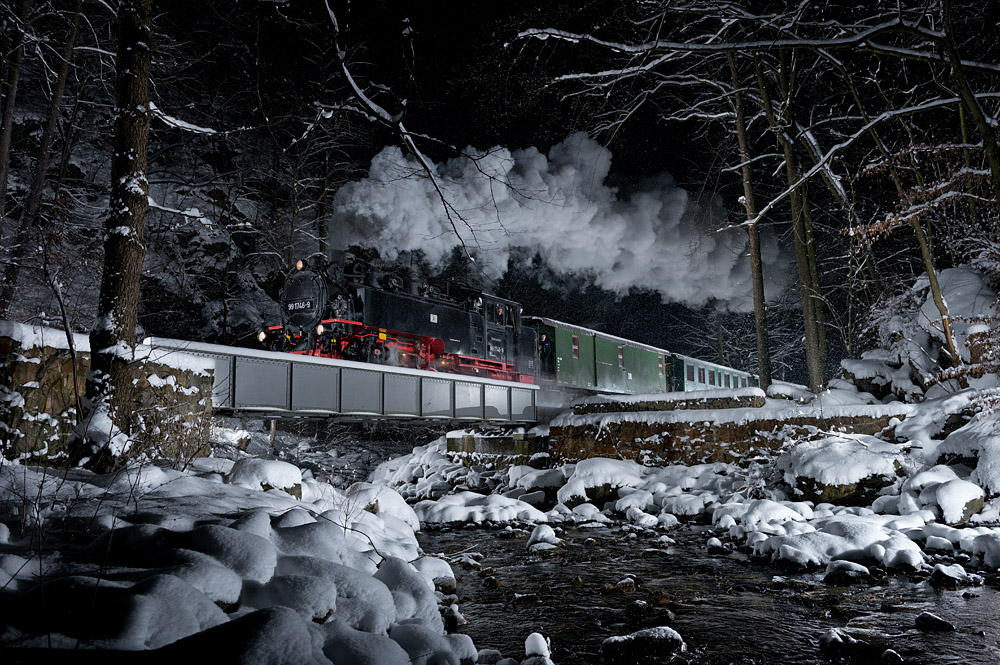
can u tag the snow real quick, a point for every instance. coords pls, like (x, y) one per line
(37, 337)
(841, 460)
(674, 397)
(255, 474)
(824, 406)
(536, 645)
(968, 296)
(175, 549)
(473, 507)
(599, 471)
(543, 537)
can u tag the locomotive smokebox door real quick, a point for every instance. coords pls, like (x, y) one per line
(303, 300)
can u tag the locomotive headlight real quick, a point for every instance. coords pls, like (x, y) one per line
(261, 336)
(300, 264)
(320, 329)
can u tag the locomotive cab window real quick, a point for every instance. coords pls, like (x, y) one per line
(576, 347)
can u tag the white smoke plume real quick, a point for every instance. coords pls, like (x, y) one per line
(560, 206)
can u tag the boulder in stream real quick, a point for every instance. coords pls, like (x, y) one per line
(651, 645)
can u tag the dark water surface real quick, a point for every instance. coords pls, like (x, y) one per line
(727, 608)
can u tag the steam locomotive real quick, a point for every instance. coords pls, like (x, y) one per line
(348, 310)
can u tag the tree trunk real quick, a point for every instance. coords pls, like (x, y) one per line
(815, 294)
(756, 264)
(108, 426)
(9, 95)
(21, 239)
(800, 240)
(968, 97)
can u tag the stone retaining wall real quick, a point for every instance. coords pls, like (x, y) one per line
(38, 405)
(694, 443)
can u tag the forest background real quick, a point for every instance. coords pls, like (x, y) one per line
(863, 137)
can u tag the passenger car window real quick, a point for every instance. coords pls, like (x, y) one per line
(576, 347)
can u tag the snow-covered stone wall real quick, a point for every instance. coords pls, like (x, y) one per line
(41, 382)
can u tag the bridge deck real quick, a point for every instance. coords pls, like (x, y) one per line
(288, 385)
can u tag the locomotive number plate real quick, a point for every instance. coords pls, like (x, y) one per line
(296, 305)
(434, 318)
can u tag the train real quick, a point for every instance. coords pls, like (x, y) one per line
(345, 309)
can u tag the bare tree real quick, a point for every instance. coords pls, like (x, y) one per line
(107, 425)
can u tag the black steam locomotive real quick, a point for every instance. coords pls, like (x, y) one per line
(347, 310)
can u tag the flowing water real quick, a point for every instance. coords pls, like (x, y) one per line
(727, 608)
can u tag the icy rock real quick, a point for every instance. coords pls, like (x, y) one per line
(987, 545)
(928, 622)
(841, 470)
(536, 645)
(840, 643)
(255, 636)
(667, 520)
(589, 512)
(263, 474)
(638, 610)
(412, 593)
(539, 479)
(641, 519)
(438, 571)
(660, 642)
(426, 645)
(533, 498)
(488, 657)
(635, 498)
(312, 597)
(543, 537)
(939, 544)
(473, 507)
(843, 573)
(381, 501)
(959, 500)
(596, 478)
(890, 657)
(344, 644)
(953, 577)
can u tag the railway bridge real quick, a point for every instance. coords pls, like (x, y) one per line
(276, 385)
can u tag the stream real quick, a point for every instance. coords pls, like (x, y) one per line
(727, 608)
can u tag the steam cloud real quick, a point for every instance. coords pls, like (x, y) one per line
(559, 205)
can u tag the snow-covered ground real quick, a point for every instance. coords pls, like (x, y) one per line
(922, 511)
(222, 553)
(285, 565)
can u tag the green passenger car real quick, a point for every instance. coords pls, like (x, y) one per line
(590, 360)
(571, 361)
(693, 374)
